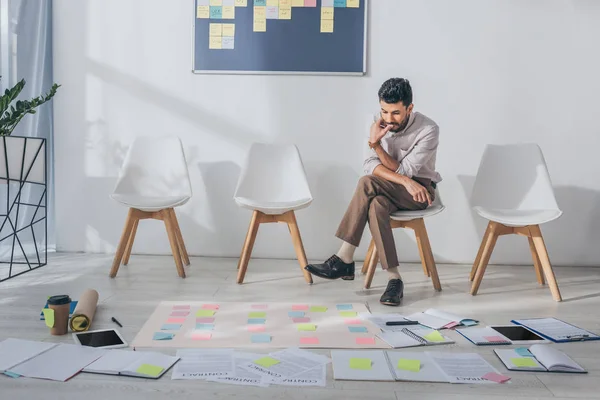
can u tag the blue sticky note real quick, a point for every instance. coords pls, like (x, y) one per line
(295, 314)
(339, 3)
(205, 327)
(358, 329)
(344, 307)
(162, 336)
(11, 374)
(260, 338)
(170, 327)
(256, 321)
(260, 2)
(468, 322)
(523, 352)
(216, 12)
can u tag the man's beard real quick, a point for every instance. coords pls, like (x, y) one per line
(401, 126)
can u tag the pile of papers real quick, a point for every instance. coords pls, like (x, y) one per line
(292, 367)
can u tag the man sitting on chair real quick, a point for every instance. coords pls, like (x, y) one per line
(399, 175)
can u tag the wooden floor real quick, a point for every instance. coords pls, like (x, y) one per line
(506, 293)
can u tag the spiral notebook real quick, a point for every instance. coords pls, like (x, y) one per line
(485, 336)
(132, 363)
(538, 358)
(413, 337)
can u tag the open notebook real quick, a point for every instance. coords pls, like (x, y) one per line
(437, 319)
(132, 363)
(414, 336)
(485, 336)
(538, 358)
(16, 351)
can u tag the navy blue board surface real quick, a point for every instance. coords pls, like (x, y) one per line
(295, 45)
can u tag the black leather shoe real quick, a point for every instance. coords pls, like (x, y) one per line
(333, 268)
(393, 293)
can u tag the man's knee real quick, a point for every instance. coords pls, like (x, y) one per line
(379, 207)
(366, 183)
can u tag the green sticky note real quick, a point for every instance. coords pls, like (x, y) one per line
(149, 370)
(347, 314)
(266, 362)
(523, 362)
(434, 336)
(49, 317)
(307, 327)
(409, 365)
(318, 309)
(257, 314)
(360, 363)
(205, 313)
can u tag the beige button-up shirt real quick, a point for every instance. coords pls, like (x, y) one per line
(415, 148)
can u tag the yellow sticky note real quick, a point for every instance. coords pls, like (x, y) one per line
(523, 362)
(257, 314)
(307, 327)
(260, 12)
(360, 363)
(272, 3)
(203, 12)
(326, 26)
(409, 365)
(228, 12)
(241, 3)
(229, 30)
(347, 314)
(352, 3)
(285, 12)
(285, 3)
(215, 30)
(149, 370)
(214, 43)
(326, 12)
(266, 362)
(216, 2)
(208, 313)
(260, 25)
(318, 309)
(434, 336)
(297, 3)
(49, 317)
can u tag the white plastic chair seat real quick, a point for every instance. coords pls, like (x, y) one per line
(410, 215)
(273, 207)
(518, 217)
(150, 203)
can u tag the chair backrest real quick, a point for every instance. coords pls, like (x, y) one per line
(273, 173)
(155, 167)
(513, 177)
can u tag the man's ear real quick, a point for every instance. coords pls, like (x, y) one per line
(410, 108)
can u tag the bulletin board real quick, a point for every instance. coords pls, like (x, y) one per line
(324, 37)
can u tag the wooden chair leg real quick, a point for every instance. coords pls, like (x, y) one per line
(536, 262)
(130, 242)
(426, 253)
(129, 222)
(298, 246)
(479, 253)
(490, 242)
(248, 245)
(540, 246)
(166, 217)
(372, 266)
(183, 250)
(365, 266)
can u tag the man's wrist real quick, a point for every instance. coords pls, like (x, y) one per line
(374, 145)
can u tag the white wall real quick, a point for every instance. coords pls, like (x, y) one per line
(494, 71)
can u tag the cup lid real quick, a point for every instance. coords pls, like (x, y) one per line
(59, 300)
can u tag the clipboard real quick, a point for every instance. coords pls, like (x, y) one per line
(573, 338)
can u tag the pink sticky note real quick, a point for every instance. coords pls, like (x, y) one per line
(494, 377)
(175, 320)
(179, 314)
(365, 340)
(256, 328)
(259, 306)
(210, 307)
(299, 307)
(310, 3)
(201, 336)
(451, 325)
(494, 339)
(353, 321)
(181, 307)
(309, 340)
(205, 320)
(300, 320)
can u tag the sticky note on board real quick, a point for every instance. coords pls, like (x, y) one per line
(306, 327)
(297, 3)
(295, 314)
(272, 12)
(215, 43)
(163, 336)
(149, 370)
(260, 3)
(348, 314)
(203, 12)
(259, 25)
(213, 306)
(241, 3)
(326, 12)
(214, 30)
(228, 12)
(326, 3)
(344, 307)
(318, 309)
(260, 13)
(285, 12)
(434, 336)
(216, 2)
(339, 3)
(170, 327)
(266, 362)
(409, 365)
(310, 3)
(216, 12)
(358, 329)
(353, 3)
(205, 313)
(300, 307)
(260, 338)
(227, 43)
(256, 328)
(365, 340)
(360, 363)
(326, 26)
(523, 352)
(49, 317)
(228, 2)
(309, 340)
(285, 3)
(257, 314)
(523, 362)
(272, 3)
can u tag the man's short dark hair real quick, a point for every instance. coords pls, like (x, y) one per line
(395, 90)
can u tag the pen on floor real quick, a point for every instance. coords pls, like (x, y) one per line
(390, 323)
(116, 322)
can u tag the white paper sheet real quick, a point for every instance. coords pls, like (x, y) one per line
(16, 351)
(428, 372)
(242, 376)
(292, 362)
(463, 367)
(379, 371)
(204, 363)
(429, 320)
(380, 319)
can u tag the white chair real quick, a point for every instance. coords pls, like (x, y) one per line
(273, 185)
(514, 192)
(153, 181)
(414, 220)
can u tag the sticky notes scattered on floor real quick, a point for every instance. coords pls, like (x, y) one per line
(348, 314)
(344, 307)
(260, 338)
(175, 320)
(205, 327)
(163, 336)
(353, 321)
(360, 363)
(205, 313)
(201, 336)
(307, 327)
(149, 370)
(212, 306)
(256, 328)
(259, 306)
(256, 321)
(409, 365)
(49, 317)
(434, 336)
(523, 352)
(523, 362)
(266, 362)
(358, 329)
(257, 314)
(300, 320)
(494, 377)
(300, 307)
(318, 309)
(170, 327)
(309, 340)
(365, 340)
(296, 314)
(205, 320)
(181, 307)
(179, 314)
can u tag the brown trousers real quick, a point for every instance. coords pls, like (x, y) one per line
(374, 200)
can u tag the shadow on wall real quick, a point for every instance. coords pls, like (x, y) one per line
(571, 239)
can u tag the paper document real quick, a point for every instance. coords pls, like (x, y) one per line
(362, 365)
(556, 329)
(290, 362)
(243, 376)
(428, 370)
(434, 322)
(463, 367)
(204, 363)
(17, 351)
(312, 377)
(380, 319)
